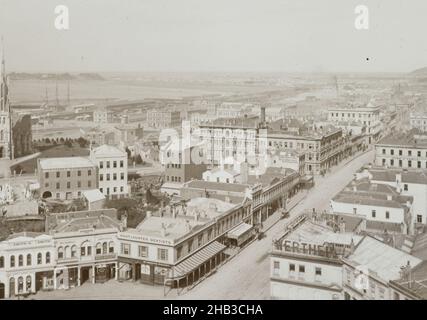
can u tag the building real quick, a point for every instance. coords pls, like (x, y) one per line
(163, 119)
(382, 206)
(183, 244)
(66, 178)
(408, 183)
(418, 120)
(368, 116)
(222, 175)
(323, 147)
(85, 246)
(128, 134)
(102, 115)
(370, 268)
(305, 261)
(401, 150)
(233, 110)
(27, 261)
(112, 168)
(290, 159)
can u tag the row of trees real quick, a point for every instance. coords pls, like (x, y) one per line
(82, 142)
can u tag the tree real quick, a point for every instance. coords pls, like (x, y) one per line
(68, 143)
(82, 142)
(138, 159)
(128, 152)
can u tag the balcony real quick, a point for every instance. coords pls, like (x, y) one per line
(68, 260)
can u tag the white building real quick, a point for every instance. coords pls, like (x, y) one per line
(418, 121)
(112, 170)
(381, 205)
(402, 150)
(305, 262)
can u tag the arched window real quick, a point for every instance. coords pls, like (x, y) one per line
(29, 260)
(104, 248)
(47, 257)
(28, 283)
(20, 260)
(73, 251)
(39, 258)
(60, 253)
(12, 286)
(12, 262)
(111, 247)
(1, 262)
(20, 284)
(98, 248)
(67, 252)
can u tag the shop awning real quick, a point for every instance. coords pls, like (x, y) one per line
(239, 230)
(197, 259)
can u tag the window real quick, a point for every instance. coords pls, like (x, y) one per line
(101, 177)
(392, 151)
(409, 163)
(68, 185)
(419, 164)
(162, 254)
(12, 261)
(125, 248)
(73, 251)
(108, 177)
(318, 271)
(143, 251)
(121, 163)
(400, 152)
(419, 153)
(46, 175)
(392, 162)
(276, 268)
(20, 260)
(301, 268)
(409, 153)
(400, 163)
(108, 164)
(114, 176)
(68, 174)
(114, 164)
(419, 218)
(29, 260)
(374, 213)
(387, 215)
(122, 176)
(82, 251)
(405, 187)
(47, 257)
(89, 173)
(101, 164)
(79, 173)
(60, 253)
(111, 247)
(58, 174)
(57, 185)
(383, 151)
(1, 262)
(98, 248)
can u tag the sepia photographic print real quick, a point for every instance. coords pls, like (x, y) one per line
(213, 150)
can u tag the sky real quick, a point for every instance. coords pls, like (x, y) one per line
(214, 36)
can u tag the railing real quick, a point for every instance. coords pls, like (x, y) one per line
(68, 260)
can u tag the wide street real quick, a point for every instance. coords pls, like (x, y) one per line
(246, 276)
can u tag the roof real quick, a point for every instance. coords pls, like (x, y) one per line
(196, 259)
(407, 176)
(310, 232)
(404, 140)
(65, 163)
(239, 230)
(93, 195)
(380, 258)
(208, 185)
(418, 285)
(108, 151)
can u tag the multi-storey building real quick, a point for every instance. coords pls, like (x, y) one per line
(181, 245)
(112, 171)
(418, 120)
(305, 261)
(382, 206)
(368, 116)
(163, 119)
(406, 182)
(402, 150)
(66, 178)
(102, 116)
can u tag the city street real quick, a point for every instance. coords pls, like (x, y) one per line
(246, 276)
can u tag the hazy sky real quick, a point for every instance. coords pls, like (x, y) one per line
(215, 35)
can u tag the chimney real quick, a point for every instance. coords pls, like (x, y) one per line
(262, 118)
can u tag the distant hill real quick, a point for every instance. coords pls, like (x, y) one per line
(54, 76)
(422, 72)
